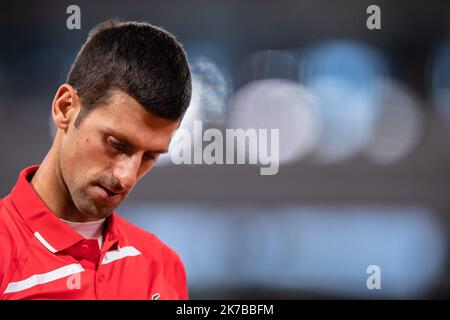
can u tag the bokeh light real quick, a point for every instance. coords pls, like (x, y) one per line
(440, 79)
(343, 75)
(210, 91)
(277, 104)
(310, 248)
(399, 125)
(267, 64)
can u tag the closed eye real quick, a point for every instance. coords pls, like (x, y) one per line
(128, 149)
(120, 147)
(150, 156)
(117, 145)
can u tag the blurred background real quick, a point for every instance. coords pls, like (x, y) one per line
(364, 119)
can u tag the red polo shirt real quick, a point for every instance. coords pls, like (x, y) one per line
(43, 258)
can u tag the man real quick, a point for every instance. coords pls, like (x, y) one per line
(125, 95)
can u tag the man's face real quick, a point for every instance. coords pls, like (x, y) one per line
(113, 147)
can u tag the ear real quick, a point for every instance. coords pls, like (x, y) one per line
(65, 107)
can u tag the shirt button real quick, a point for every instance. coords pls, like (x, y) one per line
(84, 248)
(101, 278)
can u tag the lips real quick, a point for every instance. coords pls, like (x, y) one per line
(109, 191)
(107, 195)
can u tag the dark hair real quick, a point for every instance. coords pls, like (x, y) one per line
(142, 60)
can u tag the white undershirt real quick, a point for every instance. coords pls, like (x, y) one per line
(89, 230)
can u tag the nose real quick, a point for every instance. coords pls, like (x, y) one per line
(126, 171)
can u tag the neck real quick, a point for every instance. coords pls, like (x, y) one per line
(49, 185)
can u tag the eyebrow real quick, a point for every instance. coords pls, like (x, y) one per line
(128, 143)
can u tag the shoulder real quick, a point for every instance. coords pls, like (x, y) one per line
(9, 240)
(147, 243)
(155, 250)
(2, 207)
(8, 220)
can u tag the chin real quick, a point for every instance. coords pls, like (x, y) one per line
(94, 212)
(102, 213)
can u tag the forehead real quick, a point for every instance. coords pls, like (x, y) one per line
(124, 116)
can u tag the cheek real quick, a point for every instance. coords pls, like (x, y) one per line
(84, 158)
(82, 153)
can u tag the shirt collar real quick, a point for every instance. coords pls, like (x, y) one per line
(44, 224)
